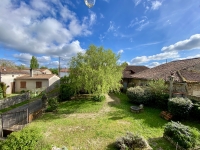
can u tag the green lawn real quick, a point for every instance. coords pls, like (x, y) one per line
(88, 125)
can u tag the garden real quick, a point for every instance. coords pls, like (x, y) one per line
(82, 117)
(85, 124)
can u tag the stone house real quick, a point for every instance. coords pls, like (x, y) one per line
(128, 71)
(186, 76)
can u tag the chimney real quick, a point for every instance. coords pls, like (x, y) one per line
(31, 72)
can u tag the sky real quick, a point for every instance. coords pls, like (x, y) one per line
(143, 32)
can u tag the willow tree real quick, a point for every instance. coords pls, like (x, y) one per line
(96, 71)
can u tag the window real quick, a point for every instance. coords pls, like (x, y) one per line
(38, 84)
(22, 84)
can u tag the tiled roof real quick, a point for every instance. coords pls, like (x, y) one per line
(13, 71)
(39, 76)
(130, 70)
(64, 70)
(164, 71)
(190, 76)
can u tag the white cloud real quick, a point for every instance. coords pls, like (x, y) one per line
(192, 43)
(30, 31)
(111, 27)
(139, 24)
(53, 64)
(93, 18)
(161, 56)
(120, 51)
(107, 1)
(137, 2)
(25, 58)
(155, 5)
(72, 49)
(40, 5)
(101, 15)
(44, 59)
(153, 64)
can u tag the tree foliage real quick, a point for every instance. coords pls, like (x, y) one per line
(7, 63)
(97, 71)
(20, 67)
(43, 67)
(34, 63)
(54, 70)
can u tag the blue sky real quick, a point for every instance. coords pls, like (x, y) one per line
(145, 32)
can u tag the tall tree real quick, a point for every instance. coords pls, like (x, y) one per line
(97, 71)
(7, 63)
(34, 63)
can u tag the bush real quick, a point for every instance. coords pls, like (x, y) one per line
(179, 107)
(160, 100)
(26, 139)
(66, 89)
(195, 111)
(136, 94)
(131, 141)
(23, 91)
(53, 104)
(98, 98)
(66, 92)
(3, 87)
(159, 95)
(185, 136)
(1, 93)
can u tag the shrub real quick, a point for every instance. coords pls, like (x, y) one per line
(98, 98)
(179, 107)
(53, 104)
(185, 136)
(66, 89)
(66, 92)
(3, 87)
(26, 139)
(23, 91)
(195, 111)
(135, 94)
(159, 95)
(131, 141)
(147, 97)
(1, 93)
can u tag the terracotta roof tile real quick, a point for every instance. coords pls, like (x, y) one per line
(190, 76)
(13, 71)
(64, 70)
(39, 76)
(130, 70)
(163, 71)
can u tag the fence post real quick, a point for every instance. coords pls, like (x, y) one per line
(27, 113)
(1, 125)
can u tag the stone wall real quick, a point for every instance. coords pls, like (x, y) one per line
(194, 98)
(7, 102)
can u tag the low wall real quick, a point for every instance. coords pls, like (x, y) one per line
(7, 102)
(194, 98)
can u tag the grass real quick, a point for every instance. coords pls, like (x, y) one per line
(83, 125)
(24, 102)
(14, 106)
